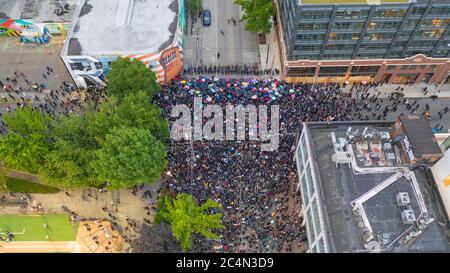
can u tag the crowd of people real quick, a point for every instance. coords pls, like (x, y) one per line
(257, 189)
(17, 91)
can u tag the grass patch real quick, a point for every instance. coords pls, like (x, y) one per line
(32, 226)
(23, 186)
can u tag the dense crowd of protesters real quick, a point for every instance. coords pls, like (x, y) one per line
(17, 91)
(256, 189)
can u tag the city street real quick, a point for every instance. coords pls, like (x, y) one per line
(235, 45)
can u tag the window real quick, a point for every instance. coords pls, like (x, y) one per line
(321, 246)
(433, 67)
(365, 70)
(348, 26)
(335, 56)
(316, 220)
(435, 22)
(374, 46)
(299, 160)
(310, 181)
(304, 149)
(304, 190)
(439, 11)
(378, 36)
(343, 36)
(168, 59)
(80, 66)
(434, 33)
(422, 44)
(418, 11)
(305, 56)
(333, 71)
(404, 35)
(364, 55)
(311, 227)
(310, 37)
(312, 26)
(348, 47)
(352, 14)
(98, 66)
(310, 47)
(409, 67)
(301, 71)
(390, 67)
(314, 14)
(389, 13)
(411, 23)
(384, 25)
(441, 53)
(400, 44)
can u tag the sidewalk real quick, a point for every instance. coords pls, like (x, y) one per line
(414, 91)
(270, 58)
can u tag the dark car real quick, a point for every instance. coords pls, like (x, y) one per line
(206, 18)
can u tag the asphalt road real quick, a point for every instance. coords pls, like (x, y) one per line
(236, 46)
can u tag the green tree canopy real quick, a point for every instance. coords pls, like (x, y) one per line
(194, 6)
(134, 111)
(128, 157)
(68, 164)
(256, 14)
(185, 218)
(26, 144)
(129, 76)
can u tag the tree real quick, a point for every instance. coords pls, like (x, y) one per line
(134, 111)
(3, 180)
(185, 218)
(257, 15)
(68, 164)
(26, 144)
(155, 239)
(194, 6)
(129, 76)
(128, 157)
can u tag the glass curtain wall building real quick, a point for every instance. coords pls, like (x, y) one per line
(395, 41)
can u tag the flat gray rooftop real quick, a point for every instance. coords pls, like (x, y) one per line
(340, 186)
(39, 10)
(123, 27)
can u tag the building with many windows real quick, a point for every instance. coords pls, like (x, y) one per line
(360, 191)
(394, 41)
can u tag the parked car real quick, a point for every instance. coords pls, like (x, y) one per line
(206, 18)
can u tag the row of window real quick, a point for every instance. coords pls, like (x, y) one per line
(355, 71)
(314, 227)
(381, 13)
(168, 59)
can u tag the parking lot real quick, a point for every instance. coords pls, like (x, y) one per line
(32, 60)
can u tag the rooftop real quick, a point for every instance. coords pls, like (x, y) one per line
(420, 135)
(362, 196)
(39, 10)
(370, 2)
(123, 27)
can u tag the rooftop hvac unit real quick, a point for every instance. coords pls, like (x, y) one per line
(387, 146)
(342, 157)
(391, 156)
(408, 216)
(403, 199)
(385, 135)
